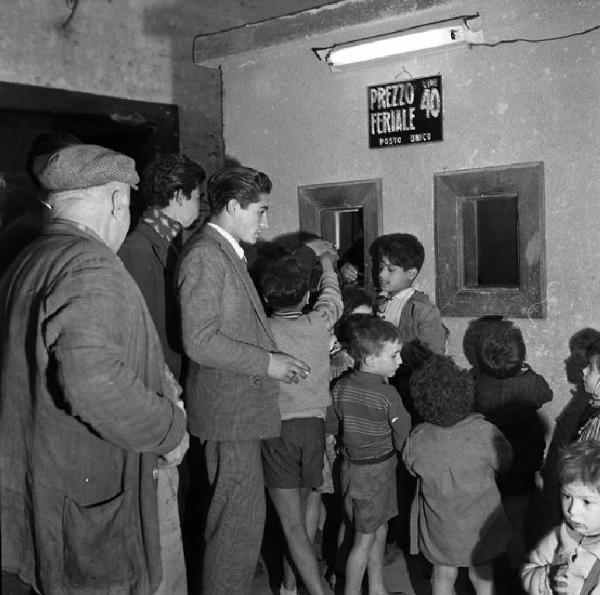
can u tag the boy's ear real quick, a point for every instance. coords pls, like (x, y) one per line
(369, 359)
(412, 273)
(232, 206)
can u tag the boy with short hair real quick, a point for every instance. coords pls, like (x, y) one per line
(567, 560)
(399, 257)
(374, 425)
(293, 462)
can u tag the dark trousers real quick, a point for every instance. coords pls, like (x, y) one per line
(236, 517)
(13, 585)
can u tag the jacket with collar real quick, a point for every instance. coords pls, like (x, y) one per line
(563, 546)
(151, 261)
(227, 339)
(82, 418)
(420, 319)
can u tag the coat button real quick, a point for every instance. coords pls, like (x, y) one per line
(155, 473)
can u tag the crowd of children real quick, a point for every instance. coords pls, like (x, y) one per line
(472, 439)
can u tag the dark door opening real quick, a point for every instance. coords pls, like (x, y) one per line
(137, 129)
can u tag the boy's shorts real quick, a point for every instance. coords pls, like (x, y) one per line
(295, 459)
(370, 493)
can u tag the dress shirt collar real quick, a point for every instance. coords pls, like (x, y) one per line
(234, 243)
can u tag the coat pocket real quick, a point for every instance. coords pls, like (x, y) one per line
(97, 542)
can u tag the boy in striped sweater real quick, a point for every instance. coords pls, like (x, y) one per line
(373, 426)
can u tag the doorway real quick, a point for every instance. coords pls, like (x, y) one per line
(136, 128)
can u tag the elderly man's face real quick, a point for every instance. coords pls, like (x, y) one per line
(121, 213)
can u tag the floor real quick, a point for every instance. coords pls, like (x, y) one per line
(407, 575)
(397, 577)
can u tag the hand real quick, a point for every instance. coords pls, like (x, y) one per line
(285, 368)
(181, 406)
(349, 274)
(568, 578)
(328, 260)
(174, 457)
(172, 388)
(319, 246)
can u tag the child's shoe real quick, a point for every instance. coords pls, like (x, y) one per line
(284, 591)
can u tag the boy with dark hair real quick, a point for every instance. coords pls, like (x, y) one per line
(509, 393)
(171, 191)
(400, 257)
(293, 462)
(373, 426)
(231, 387)
(171, 194)
(567, 560)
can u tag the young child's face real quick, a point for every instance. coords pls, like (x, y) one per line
(591, 376)
(581, 508)
(387, 361)
(393, 278)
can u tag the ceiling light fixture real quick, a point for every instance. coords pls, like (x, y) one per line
(458, 31)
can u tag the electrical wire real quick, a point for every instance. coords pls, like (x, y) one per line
(72, 6)
(540, 40)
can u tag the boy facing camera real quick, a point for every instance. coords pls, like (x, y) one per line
(567, 560)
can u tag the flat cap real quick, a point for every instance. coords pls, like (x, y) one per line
(82, 166)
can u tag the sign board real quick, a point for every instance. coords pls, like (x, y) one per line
(405, 112)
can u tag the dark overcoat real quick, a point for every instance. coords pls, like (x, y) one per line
(82, 418)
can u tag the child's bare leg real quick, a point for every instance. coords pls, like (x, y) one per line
(292, 514)
(356, 564)
(482, 577)
(289, 577)
(443, 579)
(313, 513)
(375, 562)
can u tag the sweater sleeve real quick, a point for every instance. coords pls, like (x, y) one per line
(500, 450)
(430, 329)
(329, 303)
(408, 454)
(535, 573)
(399, 419)
(538, 390)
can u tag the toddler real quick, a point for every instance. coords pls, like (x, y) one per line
(567, 560)
(455, 455)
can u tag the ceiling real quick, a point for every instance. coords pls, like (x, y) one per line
(227, 14)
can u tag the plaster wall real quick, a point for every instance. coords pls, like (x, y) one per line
(136, 49)
(285, 113)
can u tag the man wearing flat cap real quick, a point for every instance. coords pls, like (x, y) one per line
(86, 403)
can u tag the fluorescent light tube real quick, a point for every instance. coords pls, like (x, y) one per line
(454, 32)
